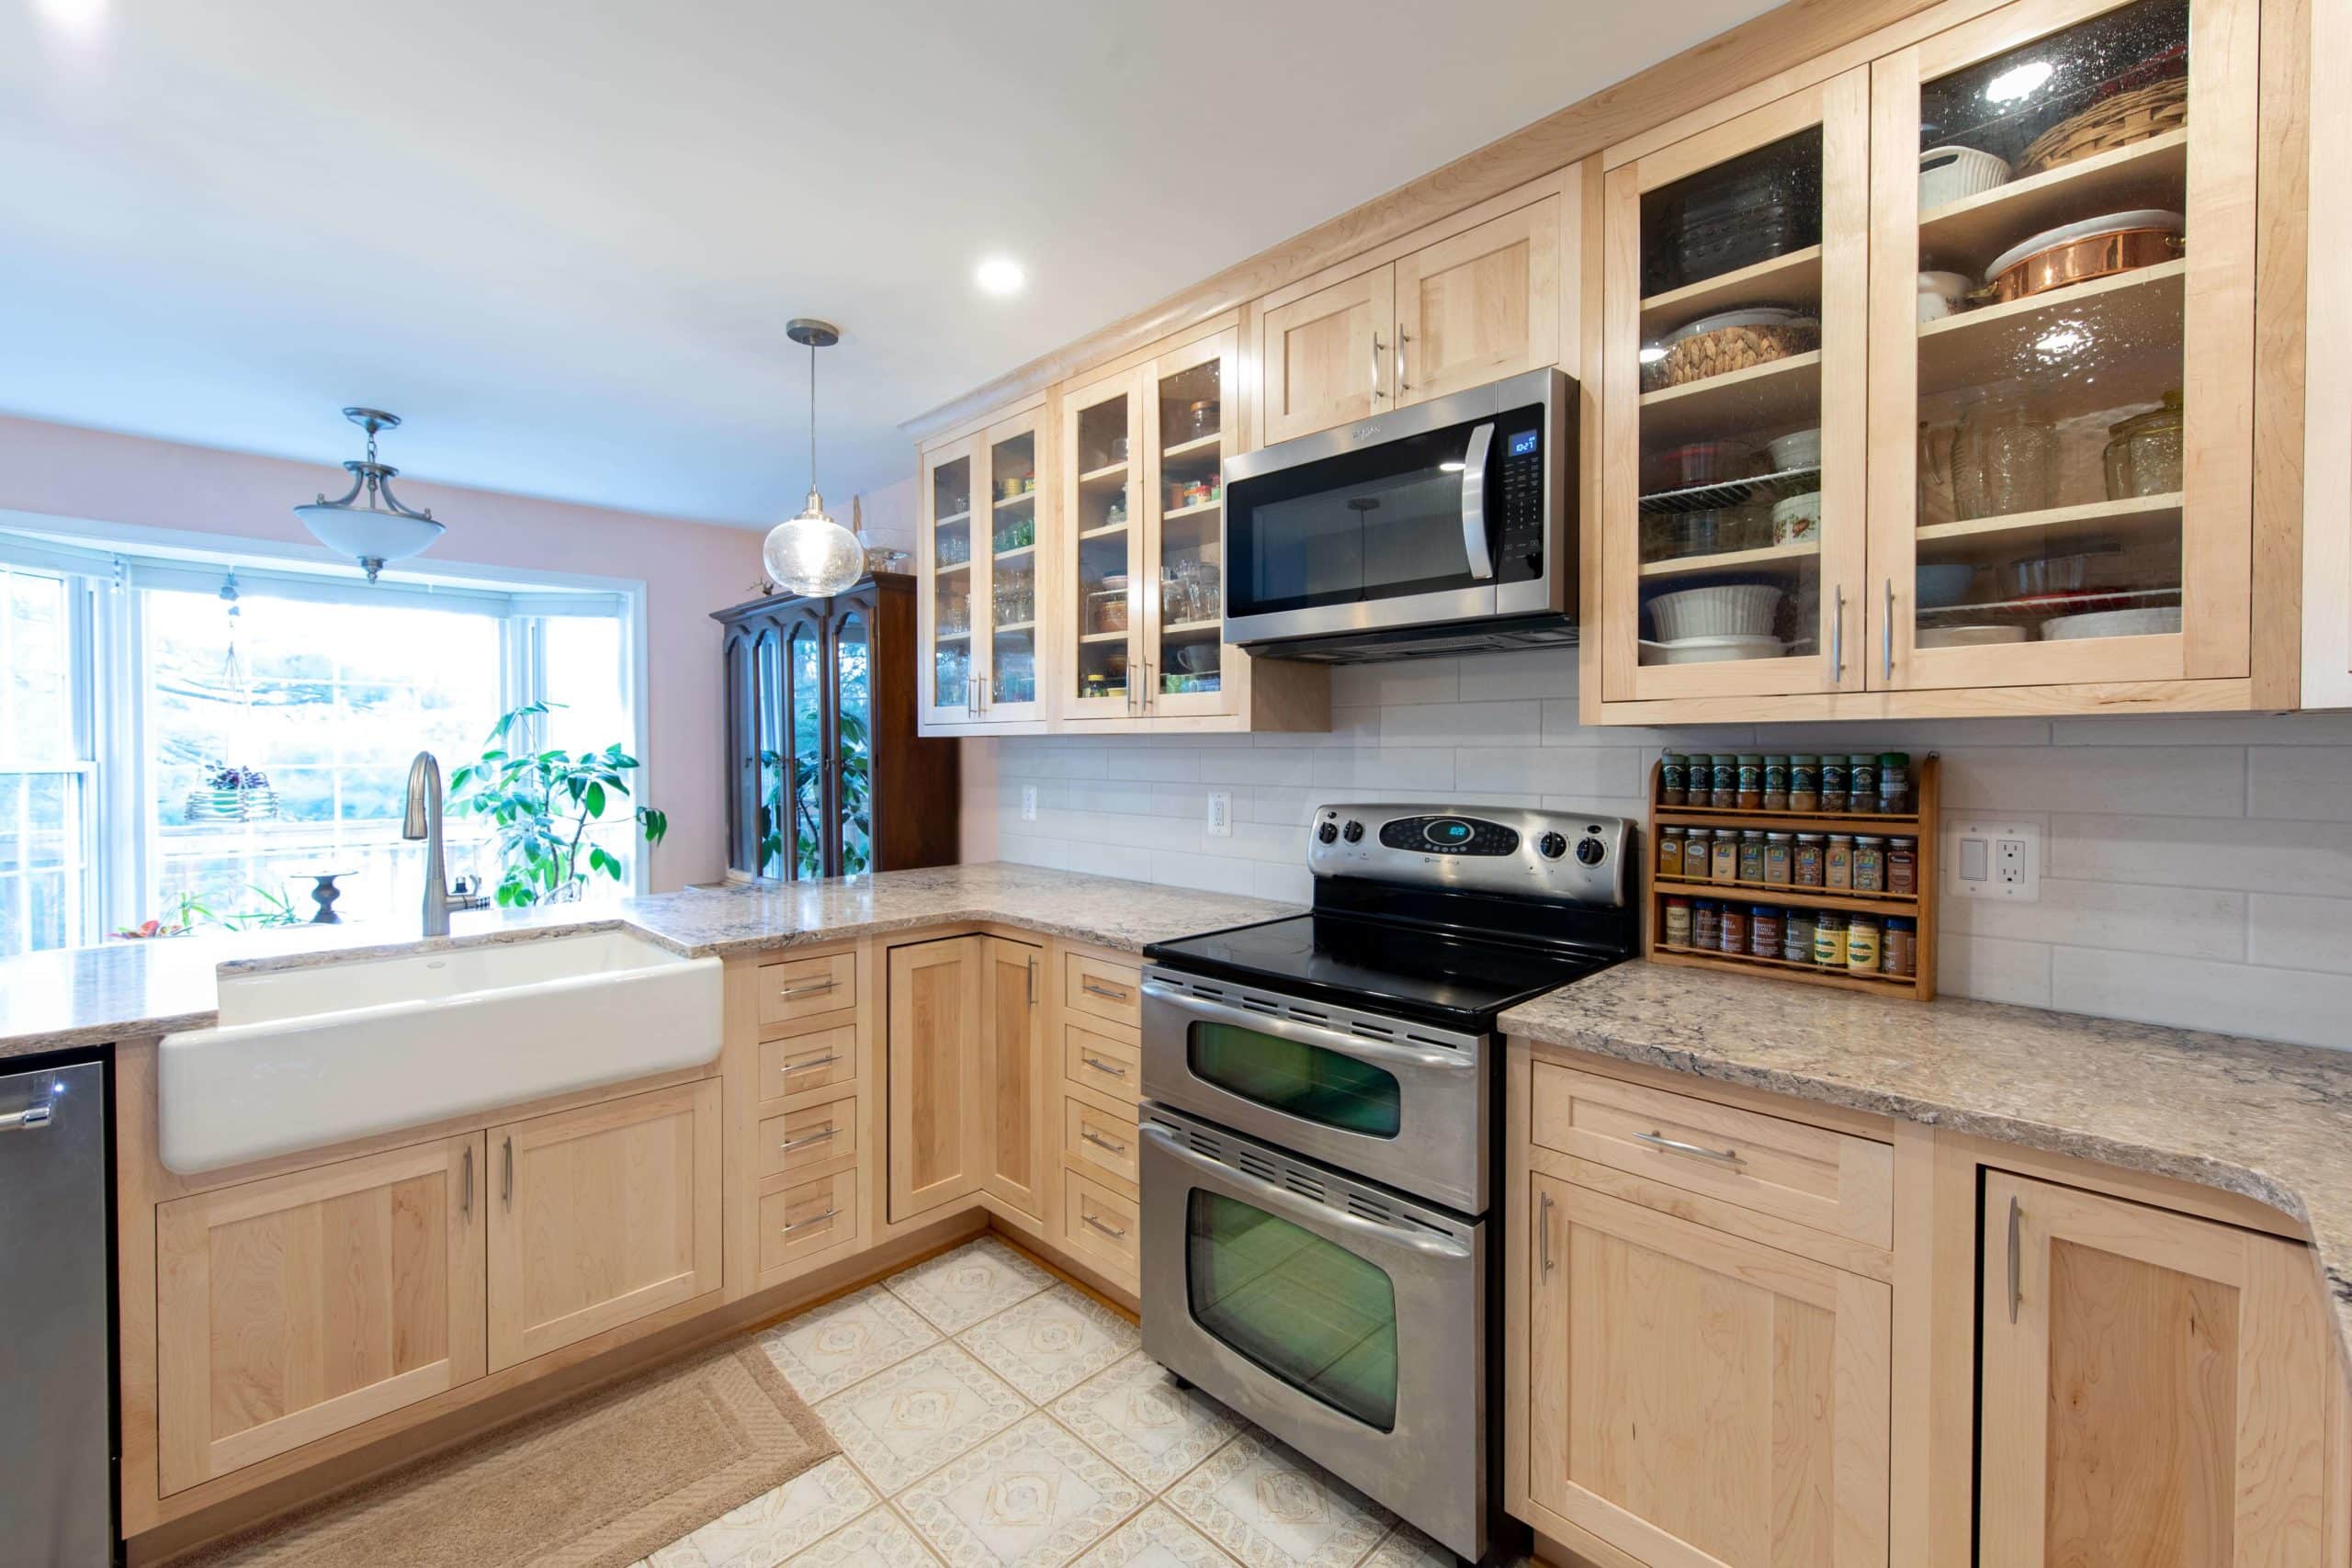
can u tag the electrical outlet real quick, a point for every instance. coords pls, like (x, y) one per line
(1993, 859)
(1220, 824)
(1028, 803)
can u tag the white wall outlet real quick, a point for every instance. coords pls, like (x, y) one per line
(1220, 824)
(1028, 803)
(1993, 859)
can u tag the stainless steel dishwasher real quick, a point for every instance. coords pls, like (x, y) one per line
(56, 1315)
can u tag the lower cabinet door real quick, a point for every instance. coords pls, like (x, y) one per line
(2156, 1388)
(291, 1308)
(938, 1137)
(601, 1215)
(1013, 1086)
(1696, 1398)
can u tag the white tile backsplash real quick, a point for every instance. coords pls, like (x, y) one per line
(2197, 870)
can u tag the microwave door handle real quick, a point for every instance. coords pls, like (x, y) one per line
(1474, 503)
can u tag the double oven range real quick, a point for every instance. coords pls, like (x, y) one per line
(1321, 1139)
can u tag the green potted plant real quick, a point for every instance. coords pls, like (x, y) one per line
(542, 804)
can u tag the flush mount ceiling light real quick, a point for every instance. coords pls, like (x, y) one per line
(382, 529)
(1000, 275)
(812, 554)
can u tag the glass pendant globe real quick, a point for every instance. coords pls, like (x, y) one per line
(813, 555)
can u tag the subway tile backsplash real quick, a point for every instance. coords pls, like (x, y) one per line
(2197, 870)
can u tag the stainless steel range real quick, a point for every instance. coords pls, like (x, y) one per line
(1320, 1138)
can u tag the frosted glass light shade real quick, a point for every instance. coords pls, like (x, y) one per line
(366, 533)
(812, 554)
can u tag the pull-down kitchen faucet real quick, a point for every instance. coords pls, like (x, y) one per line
(423, 821)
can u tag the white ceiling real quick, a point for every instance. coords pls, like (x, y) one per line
(563, 240)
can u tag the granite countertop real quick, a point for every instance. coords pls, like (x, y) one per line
(135, 989)
(2270, 1122)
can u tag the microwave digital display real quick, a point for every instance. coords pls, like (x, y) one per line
(1524, 444)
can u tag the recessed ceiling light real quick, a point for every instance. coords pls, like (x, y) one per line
(2018, 81)
(999, 275)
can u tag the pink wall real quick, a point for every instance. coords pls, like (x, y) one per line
(689, 569)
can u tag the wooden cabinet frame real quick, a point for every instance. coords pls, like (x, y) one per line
(2327, 387)
(976, 445)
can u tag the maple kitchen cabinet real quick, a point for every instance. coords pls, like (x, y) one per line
(987, 503)
(966, 1074)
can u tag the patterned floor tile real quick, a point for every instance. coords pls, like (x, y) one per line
(959, 1289)
(824, 1351)
(1050, 1343)
(1408, 1547)
(1034, 1497)
(878, 1539)
(903, 1423)
(774, 1525)
(1135, 1416)
(1156, 1538)
(1273, 1508)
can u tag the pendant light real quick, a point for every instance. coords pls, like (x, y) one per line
(812, 554)
(381, 530)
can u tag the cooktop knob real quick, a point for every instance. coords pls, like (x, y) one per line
(1589, 850)
(1326, 832)
(1551, 846)
(1353, 833)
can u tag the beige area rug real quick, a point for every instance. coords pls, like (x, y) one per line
(597, 1481)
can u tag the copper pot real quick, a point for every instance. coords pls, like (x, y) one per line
(2079, 261)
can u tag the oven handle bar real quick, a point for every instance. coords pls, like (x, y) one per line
(1311, 1214)
(1356, 1046)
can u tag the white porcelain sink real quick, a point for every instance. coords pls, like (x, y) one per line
(306, 1057)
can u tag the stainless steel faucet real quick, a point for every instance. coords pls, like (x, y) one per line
(423, 821)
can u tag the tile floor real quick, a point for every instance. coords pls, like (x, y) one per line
(991, 1415)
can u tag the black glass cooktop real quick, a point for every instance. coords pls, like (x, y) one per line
(1382, 966)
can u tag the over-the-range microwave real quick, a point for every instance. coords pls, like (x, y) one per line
(1444, 527)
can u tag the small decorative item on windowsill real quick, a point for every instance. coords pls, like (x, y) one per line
(231, 794)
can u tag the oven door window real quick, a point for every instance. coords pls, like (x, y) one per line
(1310, 1082)
(1305, 1310)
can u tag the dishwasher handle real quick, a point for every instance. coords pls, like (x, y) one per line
(31, 1118)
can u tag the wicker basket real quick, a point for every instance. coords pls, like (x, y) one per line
(2120, 121)
(1726, 349)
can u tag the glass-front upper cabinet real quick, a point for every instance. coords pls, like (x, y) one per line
(2065, 225)
(1007, 526)
(1186, 395)
(950, 691)
(1102, 432)
(984, 517)
(1733, 353)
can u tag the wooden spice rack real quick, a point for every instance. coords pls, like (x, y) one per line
(1919, 825)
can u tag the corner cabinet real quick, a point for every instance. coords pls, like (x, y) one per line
(827, 775)
(966, 1074)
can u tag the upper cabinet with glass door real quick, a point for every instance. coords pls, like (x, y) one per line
(1102, 432)
(1734, 356)
(2065, 223)
(1183, 652)
(986, 512)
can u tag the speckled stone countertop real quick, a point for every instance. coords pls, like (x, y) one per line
(2273, 1122)
(135, 989)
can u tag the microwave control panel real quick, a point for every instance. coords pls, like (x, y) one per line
(1520, 558)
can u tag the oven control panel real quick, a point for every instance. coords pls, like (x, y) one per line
(1488, 849)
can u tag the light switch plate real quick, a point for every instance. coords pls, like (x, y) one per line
(1220, 823)
(1028, 803)
(1993, 859)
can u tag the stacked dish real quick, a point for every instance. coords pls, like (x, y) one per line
(1699, 626)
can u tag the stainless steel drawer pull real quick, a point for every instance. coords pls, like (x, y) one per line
(1657, 1139)
(791, 1144)
(811, 1220)
(804, 1066)
(1114, 1232)
(809, 990)
(506, 1182)
(1115, 993)
(468, 1206)
(1100, 1065)
(1543, 1229)
(2015, 1217)
(25, 1121)
(1100, 1141)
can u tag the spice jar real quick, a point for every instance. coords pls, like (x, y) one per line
(1832, 786)
(1752, 855)
(1763, 931)
(1870, 863)
(1838, 864)
(1723, 858)
(1678, 922)
(1670, 852)
(1733, 934)
(1895, 783)
(1899, 954)
(1903, 867)
(1706, 923)
(1776, 783)
(1806, 866)
(1830, 939)
(1861, 783)
(1779, 857)
(1751, 783)
(1796, 936)
(1861, 945)
(1804, 783)
(1723, 771)
(1673, 779)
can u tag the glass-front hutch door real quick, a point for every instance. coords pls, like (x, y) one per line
(1101, 560)
(1186, 436)
(1009, 518)
(1733, 358)
(2065, 213)
(850, 814)
(950, 690)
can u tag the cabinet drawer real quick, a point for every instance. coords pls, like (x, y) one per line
(1825, 1180)
(1103, 989)
(1103, 1139)
(804, 987)
(801, 1062)
(810, 1136)
(808, 1218)
(1100, 1061)
(1100, 1226)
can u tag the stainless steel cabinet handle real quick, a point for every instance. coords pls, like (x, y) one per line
(1402, 339)
(506, 1182)
(804, 1066)
(467, 1206)
(1377, 393)
(1837, 638)
(25, 1121)
(791, 1144)
(1100, 1065)
(1889, 631)
(811, 1220)
(1543, 1230)
(1033, 982)
(1117, 993)
(1102, 1143)
(1659, 1140)
(810, 990)
(1115, 1232)
(2017, 1217)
